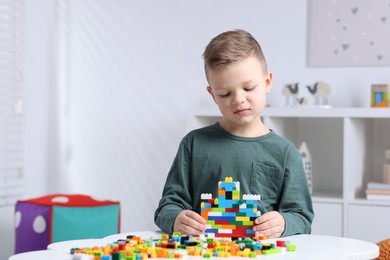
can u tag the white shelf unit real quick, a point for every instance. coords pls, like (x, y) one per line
(347, 147)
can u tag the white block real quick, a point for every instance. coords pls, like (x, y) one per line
(206, 196)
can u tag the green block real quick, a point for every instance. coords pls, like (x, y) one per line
(217, 209)
(210, 222)
(210, 241)
(207, 255)
(291, 247)
(271, 251)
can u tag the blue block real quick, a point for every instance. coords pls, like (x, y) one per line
(250, 231)
(215, 231)
(229, 214)
(221, 218)
(228, 186)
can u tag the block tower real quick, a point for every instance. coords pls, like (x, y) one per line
(228, 215)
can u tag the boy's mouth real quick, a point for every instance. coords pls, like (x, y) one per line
(240, 111)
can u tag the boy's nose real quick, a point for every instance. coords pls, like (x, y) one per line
(239, 98)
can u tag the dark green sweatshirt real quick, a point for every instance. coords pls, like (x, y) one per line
(269, 166)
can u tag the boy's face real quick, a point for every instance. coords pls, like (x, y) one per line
(240, 91)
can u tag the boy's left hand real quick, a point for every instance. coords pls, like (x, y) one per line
(270, 224)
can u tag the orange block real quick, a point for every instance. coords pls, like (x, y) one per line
(161, 253)
(229, 226)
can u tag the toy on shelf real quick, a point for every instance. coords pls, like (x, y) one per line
(307, 164)
(290, 91)
(228, 215)
(380, 95)
(181, 246)
(321, 92)
(386, 166)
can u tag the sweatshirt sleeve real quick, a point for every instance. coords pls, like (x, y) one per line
(176, 195)
(295, 204)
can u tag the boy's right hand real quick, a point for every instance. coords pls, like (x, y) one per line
(189, 222)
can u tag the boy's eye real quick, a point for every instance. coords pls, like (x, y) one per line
(250, 88)
(224, 95)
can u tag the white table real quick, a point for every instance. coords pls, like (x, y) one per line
(42, 255)
(329, 247)
(308, 247)
(66, 246)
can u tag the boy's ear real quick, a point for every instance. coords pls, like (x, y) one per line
(268, 82)
(210, 90)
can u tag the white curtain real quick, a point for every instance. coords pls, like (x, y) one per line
(11, 104)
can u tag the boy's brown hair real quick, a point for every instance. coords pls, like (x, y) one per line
(230, 47)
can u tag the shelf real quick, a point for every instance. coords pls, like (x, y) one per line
(323, 197)
(337, 112)
(327, 112)
(347, 149)
(366, 202)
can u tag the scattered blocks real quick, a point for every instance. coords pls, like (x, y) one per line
(135, 248)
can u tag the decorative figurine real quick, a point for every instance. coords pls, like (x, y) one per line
(321, 91)
(290, 91)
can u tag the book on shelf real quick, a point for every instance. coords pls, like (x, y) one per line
(378, 192)
(378, 197)
(378, 186)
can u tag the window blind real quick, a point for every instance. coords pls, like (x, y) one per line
(11, 104)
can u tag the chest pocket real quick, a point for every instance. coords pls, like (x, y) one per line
(266, 181)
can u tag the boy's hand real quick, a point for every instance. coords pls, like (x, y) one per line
(271, 224)
(189, 223)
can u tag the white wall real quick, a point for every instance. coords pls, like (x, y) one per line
(134, 69)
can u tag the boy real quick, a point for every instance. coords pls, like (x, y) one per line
(238, 146)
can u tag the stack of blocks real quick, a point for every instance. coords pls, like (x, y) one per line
(59, 217)
(229, 215)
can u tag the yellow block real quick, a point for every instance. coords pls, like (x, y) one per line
(240, 218)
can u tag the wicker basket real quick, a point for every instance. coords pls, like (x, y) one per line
(384, 249)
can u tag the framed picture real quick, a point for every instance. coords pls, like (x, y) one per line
(348, 33)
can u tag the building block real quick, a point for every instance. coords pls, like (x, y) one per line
(60, 217)
(291, 247)
(229, 215)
